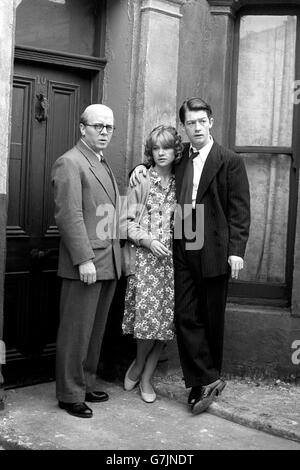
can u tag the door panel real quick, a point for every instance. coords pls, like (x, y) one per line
(46, 106)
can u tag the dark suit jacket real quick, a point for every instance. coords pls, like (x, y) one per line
(82, 187)
(224, 191)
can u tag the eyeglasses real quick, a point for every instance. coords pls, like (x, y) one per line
(99, 127)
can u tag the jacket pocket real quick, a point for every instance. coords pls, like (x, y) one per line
(100, 243)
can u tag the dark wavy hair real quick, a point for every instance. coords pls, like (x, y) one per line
(194, 104)
(167, 137)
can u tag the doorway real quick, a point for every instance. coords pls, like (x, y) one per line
(47, 103)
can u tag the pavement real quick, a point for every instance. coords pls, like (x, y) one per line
(248, 415)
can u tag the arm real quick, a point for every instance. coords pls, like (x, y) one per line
(135, 206)
(136, 233)
(238, 214)
(69, 217)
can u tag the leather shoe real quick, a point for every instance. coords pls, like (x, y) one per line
(195, 394)
(96, 397)
(207, 396)
(80, 409)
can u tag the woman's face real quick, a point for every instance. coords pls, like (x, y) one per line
(163, 157)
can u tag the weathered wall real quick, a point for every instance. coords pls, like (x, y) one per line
(140, 81)
(121, 29)
(194, 53)
(204, 56)
(258, 342)
(158, 69)
(7, 19)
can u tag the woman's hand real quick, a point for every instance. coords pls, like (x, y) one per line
(159, 249)
(136, 175)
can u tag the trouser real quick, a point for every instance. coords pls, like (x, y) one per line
(1, 385)
(2, 361)
(199, 318)
(83, 314)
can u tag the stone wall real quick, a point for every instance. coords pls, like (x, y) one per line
(7, 21)
(140, 81)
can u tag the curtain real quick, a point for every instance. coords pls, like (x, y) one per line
(264, 119)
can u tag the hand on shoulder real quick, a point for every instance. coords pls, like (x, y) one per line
(135, 177)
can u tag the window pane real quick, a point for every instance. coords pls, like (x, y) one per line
(269, 189)
(61, 25)
(266, 72)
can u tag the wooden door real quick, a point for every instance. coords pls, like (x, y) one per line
(47, 103)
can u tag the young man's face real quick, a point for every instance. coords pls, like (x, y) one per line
(197, 127)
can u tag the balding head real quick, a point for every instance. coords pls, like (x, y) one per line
(93, 115)
(93, 109)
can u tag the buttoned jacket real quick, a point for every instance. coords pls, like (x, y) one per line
(86, 213)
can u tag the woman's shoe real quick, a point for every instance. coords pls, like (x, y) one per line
(128, 383)
(147, 397)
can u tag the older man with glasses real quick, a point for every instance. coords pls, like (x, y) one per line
(86, 203)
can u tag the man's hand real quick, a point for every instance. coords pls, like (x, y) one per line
(136, 175)
(159, 249)
(87, 272)
(236, 263)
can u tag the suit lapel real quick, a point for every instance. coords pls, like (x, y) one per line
(180, 169)
(211, 167)
(108, 183)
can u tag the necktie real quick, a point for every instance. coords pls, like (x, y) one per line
(108, 170)
(104, 163)
(185, 197)
(186, 192)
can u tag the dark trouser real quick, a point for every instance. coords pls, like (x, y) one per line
(199, 317)
(83, 314)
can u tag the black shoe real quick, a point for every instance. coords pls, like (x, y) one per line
(207, 396)
(96, 397)
(194, 395)
(80, 409)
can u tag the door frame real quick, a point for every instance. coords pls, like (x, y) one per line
(95, 65)
(61, 60)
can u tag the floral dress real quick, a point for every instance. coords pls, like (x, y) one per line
(149, 299)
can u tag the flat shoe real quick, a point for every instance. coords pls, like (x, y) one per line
(147, 397)
(128, 383)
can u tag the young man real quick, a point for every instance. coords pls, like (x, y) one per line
(89, 261)
(215, 177)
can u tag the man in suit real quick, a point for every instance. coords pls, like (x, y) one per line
(86, 203)
(215, 177)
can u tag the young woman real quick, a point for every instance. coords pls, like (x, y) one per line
(149, 300)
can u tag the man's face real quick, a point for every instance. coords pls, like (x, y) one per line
(197, 127)
(98, 139)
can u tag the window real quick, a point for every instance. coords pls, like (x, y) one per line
(262, 133)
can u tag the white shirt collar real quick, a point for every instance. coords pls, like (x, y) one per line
(204, 151)
(98, 155)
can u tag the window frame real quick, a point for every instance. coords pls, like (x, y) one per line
(269, 293)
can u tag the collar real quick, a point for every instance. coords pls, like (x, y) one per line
(204, 151)
(155, 176)
(98, 155)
